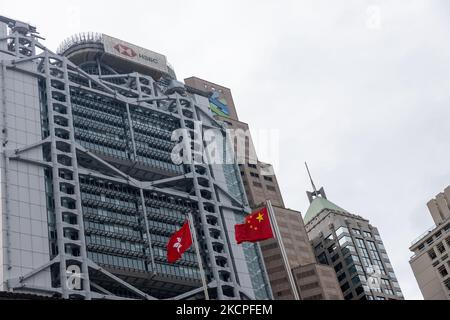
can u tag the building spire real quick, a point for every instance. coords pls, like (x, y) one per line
(314, 194)
(310, 178)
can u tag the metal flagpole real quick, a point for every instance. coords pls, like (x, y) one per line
(199, 258)
(282, 249)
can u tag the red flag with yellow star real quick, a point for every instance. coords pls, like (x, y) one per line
(256, 227)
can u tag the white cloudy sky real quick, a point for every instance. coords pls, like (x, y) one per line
(365, 102)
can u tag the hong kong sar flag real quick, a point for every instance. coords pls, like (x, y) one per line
(256, 227)
(179, 243)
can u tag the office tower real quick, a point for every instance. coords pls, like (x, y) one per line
(353, 247)
(91, 185)
(430, 262)
(313, 281)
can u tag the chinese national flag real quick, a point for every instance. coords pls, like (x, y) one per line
(256, 227)
(179, 243)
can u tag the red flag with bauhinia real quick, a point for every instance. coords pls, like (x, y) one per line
(179, 243)
(256, 227)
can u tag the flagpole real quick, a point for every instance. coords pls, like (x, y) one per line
(197, 251)
(282, 249)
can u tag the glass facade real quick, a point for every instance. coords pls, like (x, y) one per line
(102, 130)
(353, 252)
(101, 125)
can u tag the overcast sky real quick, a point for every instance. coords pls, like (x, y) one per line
(359, 89)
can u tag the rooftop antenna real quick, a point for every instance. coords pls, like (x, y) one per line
(310, 178)
(315, 193)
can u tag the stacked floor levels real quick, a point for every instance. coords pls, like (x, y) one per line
(90, 189)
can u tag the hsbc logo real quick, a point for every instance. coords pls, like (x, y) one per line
(130, 52)
(125, 51)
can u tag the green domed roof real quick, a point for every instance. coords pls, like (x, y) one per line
(317, 206)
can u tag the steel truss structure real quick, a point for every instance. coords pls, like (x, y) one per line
(76, 171)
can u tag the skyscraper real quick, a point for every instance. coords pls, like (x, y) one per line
(430, 262)
(312, 281)
(353, 247)
(91, 189)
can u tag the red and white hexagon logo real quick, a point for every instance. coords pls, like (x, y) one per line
(124, 50)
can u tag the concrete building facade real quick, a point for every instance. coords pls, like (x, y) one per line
(313, 281)
(430, 262)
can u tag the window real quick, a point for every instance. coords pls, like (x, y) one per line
(329, 238)
(338, 267)
(349, 296)
(341, 230)
(354, 269)
(356, 231)
(348, 249)
(271, 188)
(371, 245)
(344, 240)
(335, 257)
(432, 254)
(376, 256)
(257, 184)
(341, 277)
(252, 166)
(254, 174)
(359, 290)
(309, 286)
(440, 247)
(268, 179)
(345, 287)
(447, 283)
(367, 234)
(351, 260)
(332, 248)
(443, 271)
(356, 280)
(389, 291)
(322, 258)
(385, 282)
(363, 252)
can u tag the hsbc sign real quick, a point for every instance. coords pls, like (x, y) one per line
(124, 50)
(130, 52)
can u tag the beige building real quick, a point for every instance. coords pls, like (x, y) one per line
(430, 262)
(313, 281)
